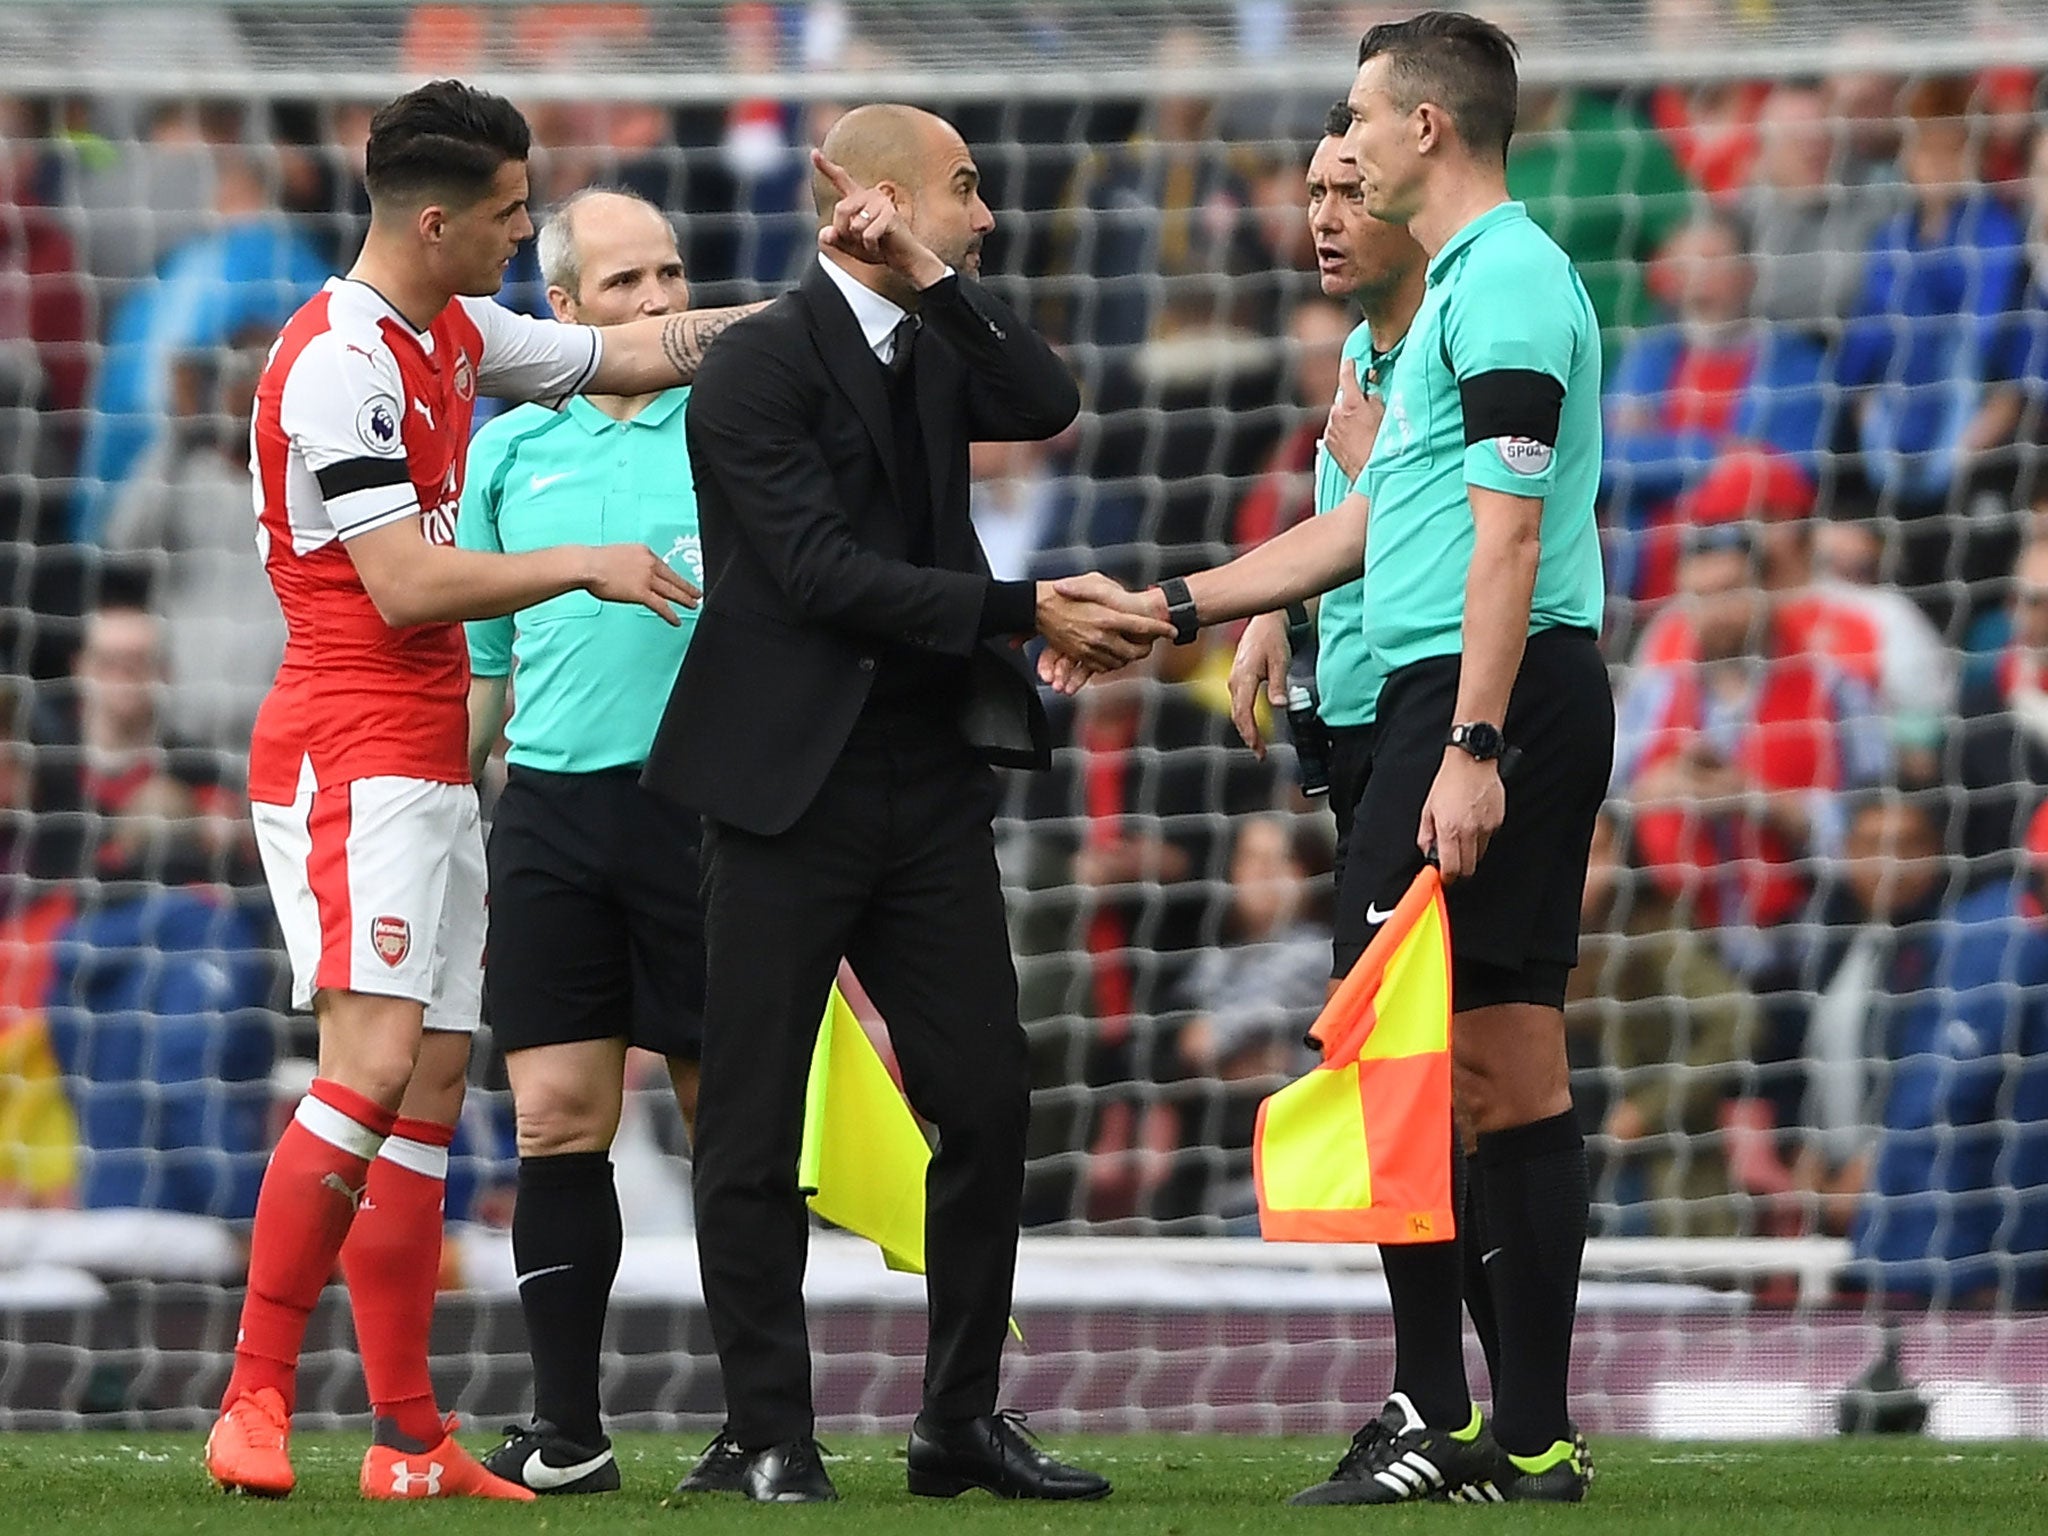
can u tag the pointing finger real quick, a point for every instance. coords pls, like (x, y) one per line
(835, 173)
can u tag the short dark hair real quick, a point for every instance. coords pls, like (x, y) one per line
(1337, 121)
(1463, 64)
(442, 143)
(1706, 217)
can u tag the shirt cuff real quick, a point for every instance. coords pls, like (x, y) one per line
(1010, 608)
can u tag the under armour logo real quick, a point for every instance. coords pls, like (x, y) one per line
(340, 1186)
(404, 1480)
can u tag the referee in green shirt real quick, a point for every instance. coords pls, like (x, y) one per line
(596, 936)
(1483, 593)
(1377, 266)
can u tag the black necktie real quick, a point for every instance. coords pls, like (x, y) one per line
(905, 335)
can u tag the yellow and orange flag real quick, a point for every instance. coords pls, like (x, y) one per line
(1359, 1150)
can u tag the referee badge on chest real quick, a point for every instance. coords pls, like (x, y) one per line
(1397, 418)
(391, 937)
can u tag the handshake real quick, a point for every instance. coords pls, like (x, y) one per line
(1092, 625)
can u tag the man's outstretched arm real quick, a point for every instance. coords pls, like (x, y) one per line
(1308, 559)
(662, 351)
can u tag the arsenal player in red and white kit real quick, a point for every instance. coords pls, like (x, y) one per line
(365, 815)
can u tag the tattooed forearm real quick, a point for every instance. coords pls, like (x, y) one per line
(686, 338)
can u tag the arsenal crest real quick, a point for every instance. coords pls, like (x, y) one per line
(465, 377)
(391, 937)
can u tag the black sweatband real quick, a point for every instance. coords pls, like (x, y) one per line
(1511, 402)
(352, 475)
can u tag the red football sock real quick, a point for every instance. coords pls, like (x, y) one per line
(310, 1190)
(392, 1262)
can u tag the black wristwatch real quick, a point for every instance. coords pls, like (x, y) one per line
(1480, 739)
(1180, 610)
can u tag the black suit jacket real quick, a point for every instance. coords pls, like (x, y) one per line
(804, 544)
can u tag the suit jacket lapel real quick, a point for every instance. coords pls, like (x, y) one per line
(850, 361)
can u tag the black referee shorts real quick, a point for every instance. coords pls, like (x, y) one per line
(596, 928)
(1515, 920)
(1350, 767)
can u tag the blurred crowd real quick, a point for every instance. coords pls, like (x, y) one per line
(1812, 994)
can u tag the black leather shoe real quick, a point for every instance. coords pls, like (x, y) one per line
(991, 1452)
(721, 1469)
(790, 1473)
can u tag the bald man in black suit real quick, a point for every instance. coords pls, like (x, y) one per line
(854, 674)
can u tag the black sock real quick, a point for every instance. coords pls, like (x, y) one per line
(565, 1249)
(1423, 1281)
(1474, 1243)
(1536, 1193)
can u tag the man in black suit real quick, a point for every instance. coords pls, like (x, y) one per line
(854, 672)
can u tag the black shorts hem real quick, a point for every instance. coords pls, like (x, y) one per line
(1481, 984)
(685, 1043)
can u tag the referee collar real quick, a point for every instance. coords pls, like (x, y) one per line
(656, 413)
(1498, 214)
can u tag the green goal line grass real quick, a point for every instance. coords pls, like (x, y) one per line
(1166, 1485)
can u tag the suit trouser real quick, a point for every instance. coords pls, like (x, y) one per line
(893, 866)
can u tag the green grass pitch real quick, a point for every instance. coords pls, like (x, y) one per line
(152, 1485)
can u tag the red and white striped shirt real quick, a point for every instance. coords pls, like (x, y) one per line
(362, 421)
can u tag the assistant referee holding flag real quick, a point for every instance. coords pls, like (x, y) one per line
(596, 938)
(1483, 596)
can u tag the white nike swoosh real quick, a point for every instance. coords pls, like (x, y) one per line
(1374, 916)
(542, 1478)
(535, 1274)
(1489, 1256)
(542, 482)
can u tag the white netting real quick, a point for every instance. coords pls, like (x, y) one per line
(1789, 998)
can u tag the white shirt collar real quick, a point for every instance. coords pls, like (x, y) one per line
(877, 317)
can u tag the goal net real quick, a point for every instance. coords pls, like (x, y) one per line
(1809, 1035)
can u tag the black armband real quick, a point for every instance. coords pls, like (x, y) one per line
(351, 475)
(1511, 402)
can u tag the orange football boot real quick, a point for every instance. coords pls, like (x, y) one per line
(445, 1472)
(249, 1449)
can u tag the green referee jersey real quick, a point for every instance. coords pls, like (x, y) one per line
(591, 677)
(1347, 678)
(1500, 295)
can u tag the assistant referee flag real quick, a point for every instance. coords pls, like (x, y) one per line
(1359, 1150)
(863, 1158)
